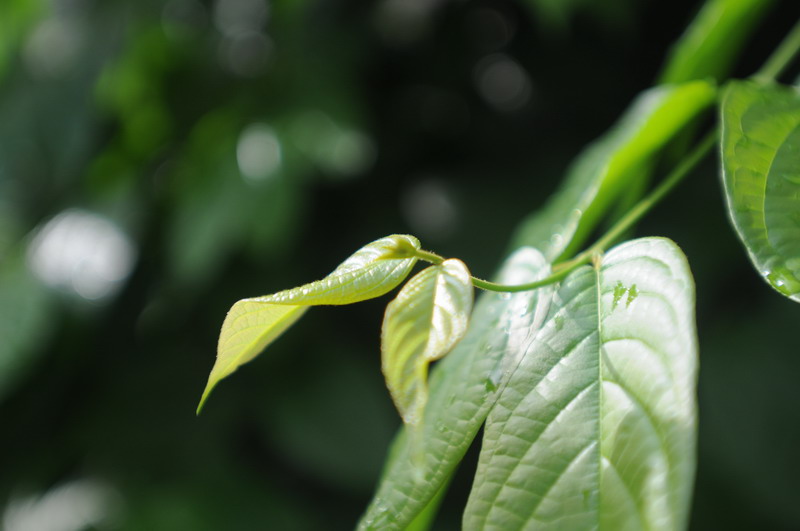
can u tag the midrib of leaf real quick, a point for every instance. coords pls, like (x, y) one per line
(281, 325)
(763, 211)
(600, 454)
(439, 284)
(780, 147)
(737, 180)
(323, 289)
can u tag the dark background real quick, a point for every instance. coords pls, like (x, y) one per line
(160, 160)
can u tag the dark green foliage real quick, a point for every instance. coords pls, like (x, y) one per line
(219, 156)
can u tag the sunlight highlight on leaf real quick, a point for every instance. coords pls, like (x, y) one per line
(596, 428)
(252, 324)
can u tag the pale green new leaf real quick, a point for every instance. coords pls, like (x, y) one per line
(252, 324)
(761, 177)
(462, 388)
(611, 165)
(426, 320)
(596, 428)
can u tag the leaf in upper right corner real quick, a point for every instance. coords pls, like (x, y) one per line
(761, 177)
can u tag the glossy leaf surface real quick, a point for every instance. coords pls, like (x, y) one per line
(611, 165)
(761, 177)
(252, 324)
(462, 388)
(426, 320)
(596, 428)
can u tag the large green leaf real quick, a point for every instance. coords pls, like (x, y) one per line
(611, 165)
(761, 176)
(252, 324)
(713, 40)
(422, 324)
(596, 428)
(462, 388)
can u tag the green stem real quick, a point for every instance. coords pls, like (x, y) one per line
(620, 227)
(666, 186)
(781, 57)
(429, 256)
(503, 288)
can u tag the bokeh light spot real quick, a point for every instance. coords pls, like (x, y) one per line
(429, 209)
(258, 153)
(235, 18)
(53, 47)
(503, 83)
(82, 253)
(73, 506)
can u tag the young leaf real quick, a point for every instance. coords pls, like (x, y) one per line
(761, 177)
(426, 320)
(252, 324)
(596, 428)
(462, 388)
(611, 165)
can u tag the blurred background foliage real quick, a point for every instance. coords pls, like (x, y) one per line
(161, 159)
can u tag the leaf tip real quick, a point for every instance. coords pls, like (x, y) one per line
(206, 392)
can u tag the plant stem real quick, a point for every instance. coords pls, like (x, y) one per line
(620, 227)
(781, 57)
(646, 204)
(429, 256)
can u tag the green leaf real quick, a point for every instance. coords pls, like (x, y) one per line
(252, 324)
(713, 40)
(761, 177)
(462, 388)
(611, 165)
(426, 320)
(596, 428)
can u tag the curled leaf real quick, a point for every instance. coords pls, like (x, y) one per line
(426, 320)
(252, 324)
